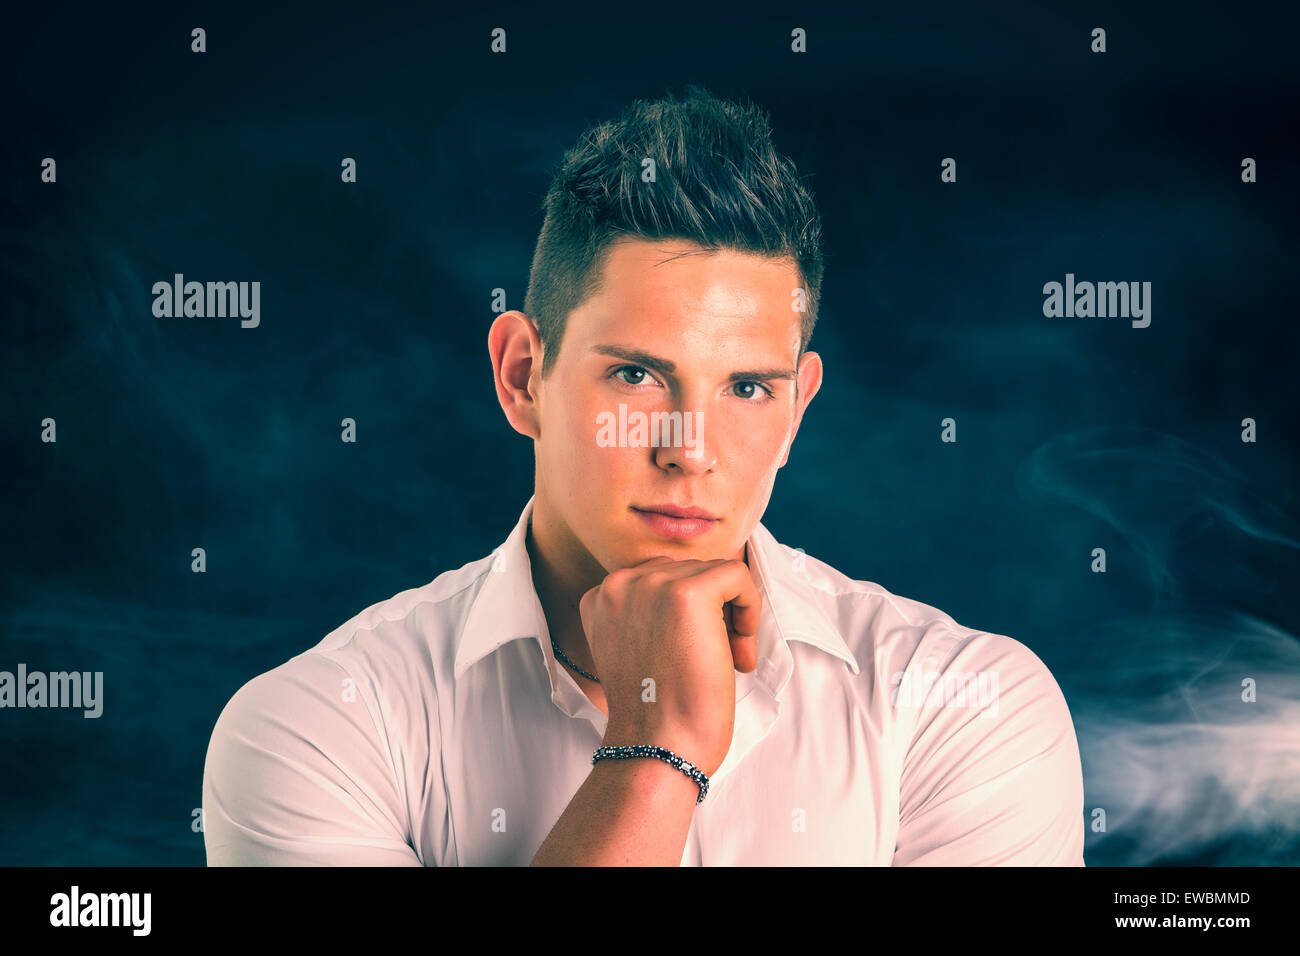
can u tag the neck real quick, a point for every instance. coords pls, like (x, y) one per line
(560, 584)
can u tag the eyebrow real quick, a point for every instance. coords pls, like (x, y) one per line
(667, 367)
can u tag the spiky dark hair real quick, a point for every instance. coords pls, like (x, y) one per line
(719, 182)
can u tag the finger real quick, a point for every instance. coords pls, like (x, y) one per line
(744, 648)
(739, 590)
(744, 654)
(740, 603)
(674, 569)
(731, 582)
(651, 562)
(584, 609)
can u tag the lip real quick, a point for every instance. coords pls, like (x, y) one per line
(675, 512)
(670, 522)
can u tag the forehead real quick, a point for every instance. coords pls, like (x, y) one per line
(679, 290)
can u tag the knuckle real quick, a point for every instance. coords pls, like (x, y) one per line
(683, 593)
(618, 579)
(656, 578)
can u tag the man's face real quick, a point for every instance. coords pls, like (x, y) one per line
(709, 334)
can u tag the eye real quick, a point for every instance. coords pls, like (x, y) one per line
(757, 389)
(635, 370)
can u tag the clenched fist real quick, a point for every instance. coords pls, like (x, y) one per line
(689, 625)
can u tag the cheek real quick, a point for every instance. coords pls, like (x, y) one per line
(581, 430)
(757, 447)
(580, 456)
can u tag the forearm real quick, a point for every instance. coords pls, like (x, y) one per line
(632, 812)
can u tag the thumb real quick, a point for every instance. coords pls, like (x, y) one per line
(744, 647)
(585, 608)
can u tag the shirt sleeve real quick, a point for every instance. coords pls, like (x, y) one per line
(297, 774)
(992, 776)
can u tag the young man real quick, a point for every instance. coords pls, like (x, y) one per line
(639, 601)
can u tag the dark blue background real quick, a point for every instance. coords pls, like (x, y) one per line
(1073, 433)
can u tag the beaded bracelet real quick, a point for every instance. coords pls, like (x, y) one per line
(649, 750)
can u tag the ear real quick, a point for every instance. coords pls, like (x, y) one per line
(516, 352)
(809, 380)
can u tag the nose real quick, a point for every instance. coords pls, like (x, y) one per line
(685, 444)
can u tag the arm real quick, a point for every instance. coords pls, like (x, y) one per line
(1004, 789)
(297, 775)
(628, 812)
(668, 618)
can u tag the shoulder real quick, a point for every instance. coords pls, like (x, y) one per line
(888, 631)
(932, 665)
(309, 710)
(401, 648)
(991, 774)
(986, 749)
(387, 654)
(298, 772)
(326, 756)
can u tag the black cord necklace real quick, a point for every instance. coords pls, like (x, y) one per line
(562, 656)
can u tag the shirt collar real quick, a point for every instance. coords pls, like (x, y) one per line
(506, 607)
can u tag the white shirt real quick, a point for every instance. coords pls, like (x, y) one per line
(437, 728)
